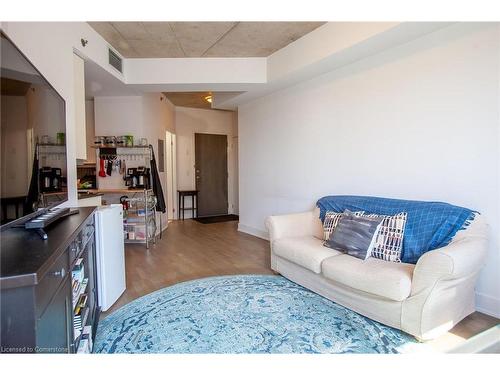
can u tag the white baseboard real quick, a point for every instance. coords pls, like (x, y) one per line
(253, 231)
(488, 305)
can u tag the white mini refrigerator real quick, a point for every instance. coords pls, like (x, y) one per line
(110, 253)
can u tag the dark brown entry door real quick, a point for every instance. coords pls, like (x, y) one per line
(211, 173)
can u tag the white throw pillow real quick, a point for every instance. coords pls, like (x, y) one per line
(389, 239)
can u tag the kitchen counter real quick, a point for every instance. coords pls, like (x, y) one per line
(110, 191)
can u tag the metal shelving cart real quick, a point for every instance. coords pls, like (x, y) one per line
(139, 218)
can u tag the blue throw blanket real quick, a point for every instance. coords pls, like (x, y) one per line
(430, 225)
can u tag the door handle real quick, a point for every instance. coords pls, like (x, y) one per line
(197, 177)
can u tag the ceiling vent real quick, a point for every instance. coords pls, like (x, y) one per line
(115, 61)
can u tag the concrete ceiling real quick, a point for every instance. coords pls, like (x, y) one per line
(201, 39)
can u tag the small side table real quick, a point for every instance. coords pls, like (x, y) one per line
(194, 198)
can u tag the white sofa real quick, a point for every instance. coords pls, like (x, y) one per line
(424, 300)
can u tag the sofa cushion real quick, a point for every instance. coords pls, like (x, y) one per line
(306, 251)
(375, 276)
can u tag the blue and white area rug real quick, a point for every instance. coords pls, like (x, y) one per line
(243, 314)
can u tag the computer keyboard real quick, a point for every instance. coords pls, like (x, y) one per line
(47, 218)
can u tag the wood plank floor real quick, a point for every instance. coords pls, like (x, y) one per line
(191, 250)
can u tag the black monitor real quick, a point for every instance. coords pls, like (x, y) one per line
(33, 163)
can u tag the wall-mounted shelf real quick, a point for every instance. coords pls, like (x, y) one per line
(51, 148)
(86, 166)
(129, 153)
(51, 145)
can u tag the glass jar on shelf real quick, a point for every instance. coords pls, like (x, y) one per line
(110, 141)
(121, 141)
(99, 141)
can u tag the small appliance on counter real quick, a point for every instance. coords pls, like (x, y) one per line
(138, 178)
(131, 178)
(143, 178)
(50, 179)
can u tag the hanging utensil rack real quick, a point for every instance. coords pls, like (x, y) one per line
(50, 151)
(128, 153)
(118, 157)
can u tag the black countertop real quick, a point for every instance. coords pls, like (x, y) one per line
(25, 257)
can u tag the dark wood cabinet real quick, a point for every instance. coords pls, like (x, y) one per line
(37, 298)
(53, 327)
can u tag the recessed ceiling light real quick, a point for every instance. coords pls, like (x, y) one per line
(208, 98)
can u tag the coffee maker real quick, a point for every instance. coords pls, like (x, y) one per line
(138, 178)
(50, 179)
(143, 178)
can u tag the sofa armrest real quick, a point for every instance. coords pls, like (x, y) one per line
(459, 259)
(291, 225)
(442, 290)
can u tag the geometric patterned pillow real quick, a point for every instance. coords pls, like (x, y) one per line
(389, 239)
(331, 220)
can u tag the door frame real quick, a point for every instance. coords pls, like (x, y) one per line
(171, 173)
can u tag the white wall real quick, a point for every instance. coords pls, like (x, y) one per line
(189, 121)
(420, 121)
(45, 112)
(118, 115)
